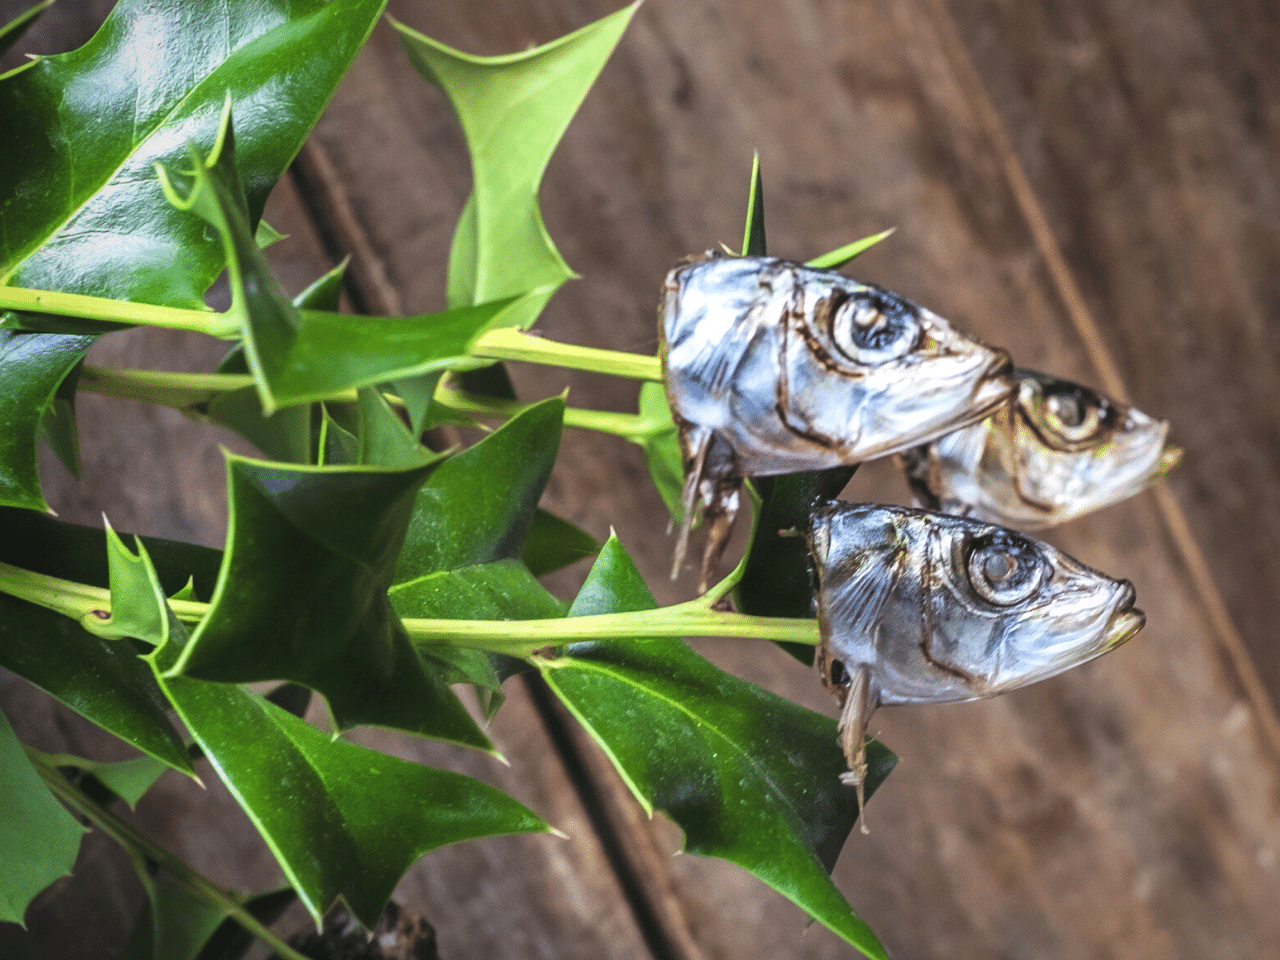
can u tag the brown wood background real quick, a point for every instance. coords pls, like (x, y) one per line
(1096, 186)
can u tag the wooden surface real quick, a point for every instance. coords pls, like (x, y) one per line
(1092, 185)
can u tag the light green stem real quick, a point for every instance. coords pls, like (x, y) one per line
(138, 844)
(522, 638)
(61, 304)
(502, 344)
(185, 391)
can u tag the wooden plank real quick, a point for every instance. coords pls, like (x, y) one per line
(1132, 803)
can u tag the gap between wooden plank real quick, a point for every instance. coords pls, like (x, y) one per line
(1171, 512)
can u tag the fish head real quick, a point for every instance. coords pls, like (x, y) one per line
(1074, 450)
(943, 608)
(1057, 451)
(785, 368)
(873, 373)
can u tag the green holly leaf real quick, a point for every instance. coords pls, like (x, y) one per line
(749, 777)
(513, 109)
(839, 257)
(176, 924)
(384, 440)
(753, 238)
(479, 505)
(554, 542)
(40, 839)
(132, 577)
(775, 581)
(12, 31)
(84, 212)
(86, 128)
(661, 445)
(102, 680)
(105, 781)
(33, 367)
(302, 596)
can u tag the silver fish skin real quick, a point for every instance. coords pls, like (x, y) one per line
(787, 368)
(1056, 451)
(772, 367)
(921, 607)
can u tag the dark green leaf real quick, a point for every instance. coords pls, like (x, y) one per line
(32, 368)
(748, 776)
(479, 504)
(325, 292)
(662, 449)
(384, 440)
(84, 130)
(339, 446)
(513, 110)
(84, 211)
(58, 423)
(105, 782)
(174, 925)
(39, 838)
(502, 590)
(554, 543)
(302, 596)
(12, 31)
(230, 941)
(838, 258)
(776, 580)
(132, 612)
(753, 239)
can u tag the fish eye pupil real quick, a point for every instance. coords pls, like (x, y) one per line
(999, 566)
(1067, 409)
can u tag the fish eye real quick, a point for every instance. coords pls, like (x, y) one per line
(1004, 568)
(1076, 414)
(872, 326)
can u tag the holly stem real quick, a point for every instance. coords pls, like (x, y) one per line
(137, 844)
(190, 391)
(91, 606)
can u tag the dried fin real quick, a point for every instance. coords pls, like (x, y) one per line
(854, 717)
(693, 479)
(720, 502)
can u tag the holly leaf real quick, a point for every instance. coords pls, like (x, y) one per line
(513, 109)
(86, 128)
(40, 839)
(661, 445)
(176, 924)
(839, 257)
(775, 581)
(33, 367)
(102, 680)
(753, 238)
(84, 212)
(302, 596)
(554, 542)
(749, 776)
(478, 506)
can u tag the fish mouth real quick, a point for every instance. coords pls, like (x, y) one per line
(996, 386)
(1127, 619)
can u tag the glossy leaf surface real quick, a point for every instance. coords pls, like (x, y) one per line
(302, 596)
(40, 839)
(554, 543)
(32, 367)
(748, 776)
(478, 506)
(85, 128)
(102, 680)
(513, 110)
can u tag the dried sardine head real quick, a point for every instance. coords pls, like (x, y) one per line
(772, 368)
(921, 607)
(1056, 451)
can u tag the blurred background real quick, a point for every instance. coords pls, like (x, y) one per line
(1094, 186)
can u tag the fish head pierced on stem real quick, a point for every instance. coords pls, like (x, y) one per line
(772, 367)
(920, 607)
(1056, 451)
